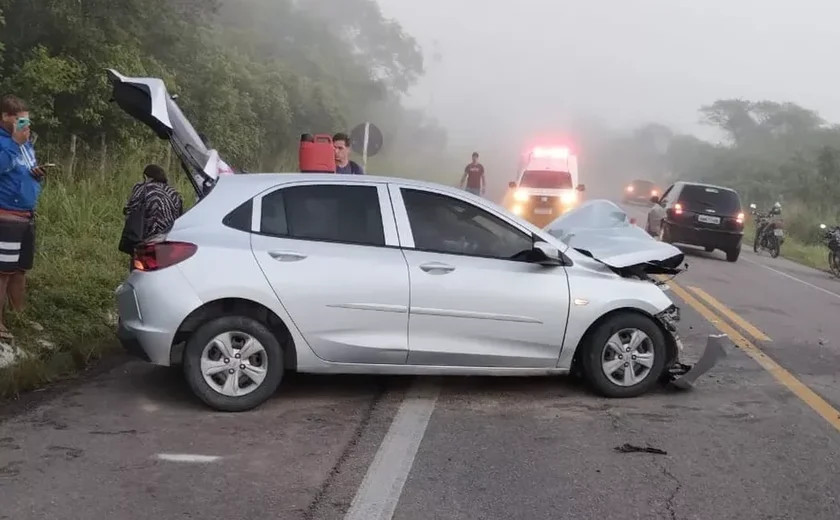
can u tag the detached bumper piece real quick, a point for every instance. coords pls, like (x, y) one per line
(681, 375)
(684, 376)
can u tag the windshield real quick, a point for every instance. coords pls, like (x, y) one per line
(603, 230)
(546, 180)
(642, 185)
(723, 201)
(600, 217)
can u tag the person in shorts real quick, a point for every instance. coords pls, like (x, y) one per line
(20, 187)
(473, 178)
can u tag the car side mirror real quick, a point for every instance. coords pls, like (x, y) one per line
(544, 253)
(511, 184)
(654, 199)
(581, 187)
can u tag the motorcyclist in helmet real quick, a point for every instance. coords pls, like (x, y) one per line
(775, 211)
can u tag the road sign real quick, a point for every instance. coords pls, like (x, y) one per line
(371, 138)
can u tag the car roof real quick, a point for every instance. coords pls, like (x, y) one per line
(705, 185)
(642, 180)
(267, 180)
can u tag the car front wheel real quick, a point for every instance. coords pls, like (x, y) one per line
(625, 356)
(233, 363)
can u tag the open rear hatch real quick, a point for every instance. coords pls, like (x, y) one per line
(147, 100)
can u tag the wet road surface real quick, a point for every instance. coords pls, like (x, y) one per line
(133, 443)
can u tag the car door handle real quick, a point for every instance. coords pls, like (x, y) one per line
(286, 256)
(437, 268)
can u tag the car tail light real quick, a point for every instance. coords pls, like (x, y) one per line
(160, 255)
(740, 218)
(678, 209)
(630, 189)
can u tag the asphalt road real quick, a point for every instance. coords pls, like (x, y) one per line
(757, 439)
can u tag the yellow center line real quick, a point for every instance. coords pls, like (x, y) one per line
(788, 380)
(746, 326)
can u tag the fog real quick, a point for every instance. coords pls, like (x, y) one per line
(514, 69)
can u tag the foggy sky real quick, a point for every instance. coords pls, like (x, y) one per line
(537, 64)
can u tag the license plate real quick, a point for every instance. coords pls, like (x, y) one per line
(708, 220)
(779, 232)
(542, 211)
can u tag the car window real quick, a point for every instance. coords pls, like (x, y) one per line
(546, 180)
(324, 212)
(667, 194)
(723, 201)
(447, 225)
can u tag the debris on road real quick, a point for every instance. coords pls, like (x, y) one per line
(630, 448)
(683, 376)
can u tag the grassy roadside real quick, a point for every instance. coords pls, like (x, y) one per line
(70, 314)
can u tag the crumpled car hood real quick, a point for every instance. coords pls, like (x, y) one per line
(602, 230)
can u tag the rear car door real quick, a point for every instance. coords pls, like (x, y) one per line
(329, 251)
(472, 303)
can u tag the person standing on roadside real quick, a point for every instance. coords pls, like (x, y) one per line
(21, 180)
(343, 164)
(158, 204)
(473, 178)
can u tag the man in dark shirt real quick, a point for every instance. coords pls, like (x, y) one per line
(343, 164)
(473, 179)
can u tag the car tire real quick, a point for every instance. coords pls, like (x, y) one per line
(733, 254)
(664, 233)
(596, 349)
(238, 328)
(709, 249)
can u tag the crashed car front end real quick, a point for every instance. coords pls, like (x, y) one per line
(602, 231)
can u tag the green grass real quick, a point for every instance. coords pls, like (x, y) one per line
(70, 290)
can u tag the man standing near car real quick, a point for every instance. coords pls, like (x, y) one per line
(20, 188)
(343, 164)
(473, 178)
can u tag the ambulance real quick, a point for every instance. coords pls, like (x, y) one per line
(546, 185)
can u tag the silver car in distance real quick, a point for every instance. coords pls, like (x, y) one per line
(270, 273)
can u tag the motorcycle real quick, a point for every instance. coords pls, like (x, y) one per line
(831, 239)
(769, 232)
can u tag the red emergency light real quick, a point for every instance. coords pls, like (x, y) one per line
(550, 153)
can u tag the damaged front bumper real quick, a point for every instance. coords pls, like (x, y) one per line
(681, 375)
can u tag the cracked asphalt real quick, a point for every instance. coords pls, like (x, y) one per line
(739, 446)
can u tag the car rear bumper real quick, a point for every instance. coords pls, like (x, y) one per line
(719, 239)
(151, 308)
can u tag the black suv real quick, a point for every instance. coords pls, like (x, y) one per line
(699, 215)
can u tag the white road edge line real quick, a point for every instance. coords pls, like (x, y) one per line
(187, 457)
(380, 491)
(795, 279)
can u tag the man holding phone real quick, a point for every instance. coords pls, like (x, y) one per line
(20, 188)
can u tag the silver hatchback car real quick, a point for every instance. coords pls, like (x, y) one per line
(376, 275)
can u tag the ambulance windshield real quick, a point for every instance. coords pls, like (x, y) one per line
(546, 180)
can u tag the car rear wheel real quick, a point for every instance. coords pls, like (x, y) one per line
(233, 363)
(664, 233)
(733, 254)
(625, 356)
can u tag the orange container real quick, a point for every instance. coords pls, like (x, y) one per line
(316, 154)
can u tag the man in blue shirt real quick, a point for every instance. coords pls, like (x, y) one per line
(20, 188)
(343, 164)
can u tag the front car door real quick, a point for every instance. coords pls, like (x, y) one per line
(329, 251)
(472, 303)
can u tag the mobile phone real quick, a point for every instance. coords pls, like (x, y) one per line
(47, 165)
(22, 123)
